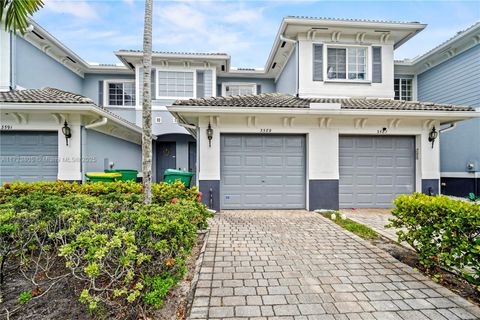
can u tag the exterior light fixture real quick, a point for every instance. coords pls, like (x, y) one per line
(433, 135)
(209, 134)
(67, 132)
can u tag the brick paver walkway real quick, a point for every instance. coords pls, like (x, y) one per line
(298, 265)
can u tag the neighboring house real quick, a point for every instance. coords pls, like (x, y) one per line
(450, 73)
(318, 127)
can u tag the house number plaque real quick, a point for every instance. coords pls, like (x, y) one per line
(265, 130)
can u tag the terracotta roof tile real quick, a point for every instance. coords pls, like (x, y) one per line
(44, 95)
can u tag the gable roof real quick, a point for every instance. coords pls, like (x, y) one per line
(280, 100)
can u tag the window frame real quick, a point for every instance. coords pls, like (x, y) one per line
(368, 62)
(157, 83)
(400, 97)
(251, 84)
(106, 92)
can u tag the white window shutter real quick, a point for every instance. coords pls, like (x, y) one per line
(377, 64)
(317, 62)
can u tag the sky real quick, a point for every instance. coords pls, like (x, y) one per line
(243, 29)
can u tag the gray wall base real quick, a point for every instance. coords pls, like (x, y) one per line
(210, 190)
(431, 186)
(323, 194)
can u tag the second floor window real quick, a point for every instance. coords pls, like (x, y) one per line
(347, 63)
(121, 93)
(403, 89)
(238, 89)
(176, 84)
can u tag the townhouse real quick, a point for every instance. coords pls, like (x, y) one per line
(330, 121)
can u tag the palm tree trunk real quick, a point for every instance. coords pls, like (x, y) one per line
(147, 105)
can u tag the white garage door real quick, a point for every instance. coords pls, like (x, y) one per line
(262, 171)
(28, 156)
(375, 170)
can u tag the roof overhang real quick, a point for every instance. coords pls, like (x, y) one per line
(294, 28)
(132, 58)
(47, 43)
(190, 113)
(461, 42)
(115, 125)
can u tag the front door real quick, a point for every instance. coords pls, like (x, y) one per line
(167, 157)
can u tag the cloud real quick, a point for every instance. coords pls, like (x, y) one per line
(79, 9)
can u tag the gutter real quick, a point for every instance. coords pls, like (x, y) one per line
(99, 123)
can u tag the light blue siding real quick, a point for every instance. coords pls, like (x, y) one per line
(456, 81)
(287, 81)
(35, 69)
(266, 85)
(100, 149)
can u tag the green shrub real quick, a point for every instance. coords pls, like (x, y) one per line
(443, 231)
(127, 255)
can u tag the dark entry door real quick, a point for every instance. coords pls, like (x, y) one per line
(167, 157)
(192, 159)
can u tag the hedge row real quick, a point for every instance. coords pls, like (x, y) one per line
(125, 254)
(443, 231)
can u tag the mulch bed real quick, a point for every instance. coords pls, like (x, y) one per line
(61, 302)
(437, 274)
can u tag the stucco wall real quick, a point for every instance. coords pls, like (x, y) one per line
(34, 69)
(322, 143)
(456, 81)
(287, 80)
(100, 148)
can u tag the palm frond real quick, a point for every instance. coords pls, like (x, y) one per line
(14, 13)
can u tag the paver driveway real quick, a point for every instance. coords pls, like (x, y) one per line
(298, 265)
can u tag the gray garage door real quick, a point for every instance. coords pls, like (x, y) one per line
(28, 156)
(374, 170)
(262, 171)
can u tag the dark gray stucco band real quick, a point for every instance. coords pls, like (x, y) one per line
(430, 186)
(210, 190)
(323, 194)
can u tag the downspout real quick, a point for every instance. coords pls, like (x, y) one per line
(99, 123)
(452, 126)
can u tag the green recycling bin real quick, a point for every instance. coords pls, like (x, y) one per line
(172, 175)
(127, 174)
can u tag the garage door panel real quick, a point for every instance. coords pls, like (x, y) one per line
(374, 170)
(272, 171)
(271, 161)
(28, 156)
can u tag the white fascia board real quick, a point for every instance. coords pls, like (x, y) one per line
(460, 115)
(69, 107)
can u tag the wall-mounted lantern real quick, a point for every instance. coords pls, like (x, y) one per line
(433, 135)
(67, 132)
(209, 134)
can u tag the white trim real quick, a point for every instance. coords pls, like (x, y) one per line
(157, 72)
(460, 174)
(368, 54)
(307, 111)
(106, 100)
(252, 84)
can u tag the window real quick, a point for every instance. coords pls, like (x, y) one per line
(347, 63)
(403, 89)
(176, 84)
(238, 89)
(158, 119)
(121, 93)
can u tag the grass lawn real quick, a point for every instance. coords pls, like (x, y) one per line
(352, 226)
